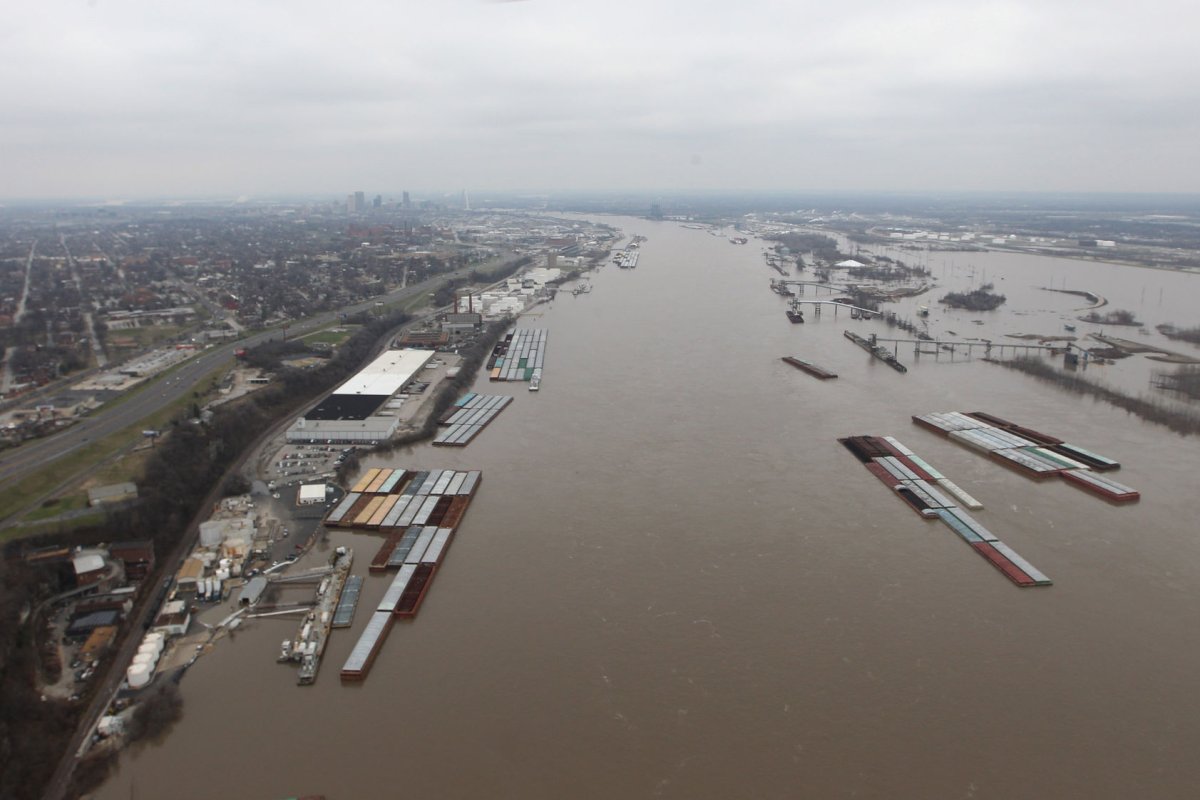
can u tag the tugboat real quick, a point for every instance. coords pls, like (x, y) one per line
(795, 315)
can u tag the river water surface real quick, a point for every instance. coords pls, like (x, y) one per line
(675, 583)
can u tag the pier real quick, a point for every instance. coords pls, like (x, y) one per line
(309, 644)
(954, 346)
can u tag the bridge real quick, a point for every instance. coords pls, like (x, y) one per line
(989, 347)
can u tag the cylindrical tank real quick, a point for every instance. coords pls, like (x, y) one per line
(155, 637)
(138, 676)
(145, 658)
(152, 648)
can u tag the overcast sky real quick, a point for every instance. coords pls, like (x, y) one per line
(113, 98)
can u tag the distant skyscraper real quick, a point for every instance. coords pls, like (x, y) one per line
(407, 203)
(378, 201)
(349, 204)
(466, 200)
(360, 201)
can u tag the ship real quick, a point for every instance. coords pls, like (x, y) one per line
(795, 315)
(535, 380)
(882, 353)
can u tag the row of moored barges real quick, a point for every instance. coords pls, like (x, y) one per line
(518, 355)
(469, 415)
(1030, 452)
(420, 515)
(920, 486)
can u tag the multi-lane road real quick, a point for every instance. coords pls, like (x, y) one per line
(33, 455)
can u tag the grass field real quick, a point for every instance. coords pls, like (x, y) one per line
(58, 505)
(332, 336)
(99, 455)
(148, 335)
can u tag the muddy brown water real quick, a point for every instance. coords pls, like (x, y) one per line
(675, 583)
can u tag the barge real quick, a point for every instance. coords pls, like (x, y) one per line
(343, 615)
(876, 350)
(425, 510)
(919, 485)
(465, 422)
(809, 367)
(516, 356)
(1032, 453)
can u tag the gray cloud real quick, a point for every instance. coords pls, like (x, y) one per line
(134, 98)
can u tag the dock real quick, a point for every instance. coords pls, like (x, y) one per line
(809, 367)
(920, 486)
(471, 414)
(878, 351)
(1032, 453)
(309, 644)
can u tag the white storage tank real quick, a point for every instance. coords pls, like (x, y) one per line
(210, 535)
(145, 658)
(138, 676)
(153, 649)
(155, 636)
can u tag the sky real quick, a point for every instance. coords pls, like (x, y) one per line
(226, 98)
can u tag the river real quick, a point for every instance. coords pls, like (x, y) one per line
(675, 583)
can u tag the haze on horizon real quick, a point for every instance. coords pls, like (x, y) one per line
(113, 98)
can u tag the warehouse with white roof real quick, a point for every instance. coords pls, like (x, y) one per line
(356, 411)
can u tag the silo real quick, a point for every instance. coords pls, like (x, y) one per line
(138, 676)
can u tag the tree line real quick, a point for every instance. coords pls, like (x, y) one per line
(179, 475)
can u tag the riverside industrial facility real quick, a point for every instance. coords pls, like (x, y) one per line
(363, 409)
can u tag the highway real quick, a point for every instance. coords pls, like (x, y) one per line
(156, 394)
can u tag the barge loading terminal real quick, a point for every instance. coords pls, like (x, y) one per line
(419, 513)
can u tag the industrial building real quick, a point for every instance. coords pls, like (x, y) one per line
(113, 493)
(311, 494)
(357, 410)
